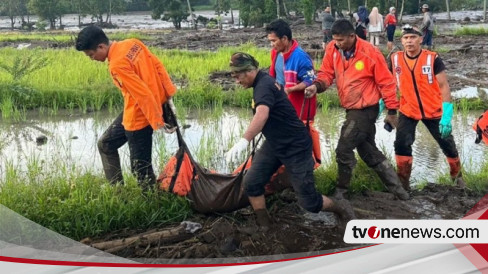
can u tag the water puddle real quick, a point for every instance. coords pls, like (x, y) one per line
(71, 141)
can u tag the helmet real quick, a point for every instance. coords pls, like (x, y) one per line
(425, 6)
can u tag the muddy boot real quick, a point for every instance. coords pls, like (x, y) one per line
(111, 167)
(390, 179)
(455, 171)
(343, 181)
(460, 182)
(404, 169)
(343, 208)
(263, 220)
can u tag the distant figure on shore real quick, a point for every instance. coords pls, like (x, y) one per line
(375, 27)
(427, 27)
(390, 26)
(362, 21)
(327, 20)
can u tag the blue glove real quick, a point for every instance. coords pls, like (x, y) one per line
(445, 126)
(382, 107)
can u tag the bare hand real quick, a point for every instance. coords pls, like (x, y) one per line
(310, 91)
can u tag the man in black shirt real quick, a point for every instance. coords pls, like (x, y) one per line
(287, 143)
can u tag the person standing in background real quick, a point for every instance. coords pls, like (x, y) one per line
(390, 26)
(427, 27)
(362, 22)
(327, 20)
(375, 27)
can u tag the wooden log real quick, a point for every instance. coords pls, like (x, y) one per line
(166, 236)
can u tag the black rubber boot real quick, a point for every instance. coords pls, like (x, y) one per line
(390, 179)
(111, 167)
(343, 181)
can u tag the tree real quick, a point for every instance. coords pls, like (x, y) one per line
(48, 10)
(308, 7)
(484, 10)
(448, 10)
(169, 10)
(10, 8)
(98, 9)
(193, 17)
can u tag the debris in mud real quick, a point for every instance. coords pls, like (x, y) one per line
(293, 231)
(41, 140)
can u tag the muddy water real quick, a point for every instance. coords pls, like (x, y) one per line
(71, 141)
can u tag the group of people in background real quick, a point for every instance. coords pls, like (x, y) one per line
(375, 25)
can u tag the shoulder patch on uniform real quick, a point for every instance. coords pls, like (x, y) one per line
(398, 70)
(133, 52)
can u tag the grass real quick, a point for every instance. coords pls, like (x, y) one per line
(81, 205)
(476, 31)
(70, 80)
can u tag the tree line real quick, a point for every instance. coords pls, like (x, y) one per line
(252, 12)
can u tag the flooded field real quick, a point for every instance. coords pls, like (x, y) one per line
(70, 141)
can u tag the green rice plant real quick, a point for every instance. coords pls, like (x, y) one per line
(328, 99)
(83, 205)
(200, 95)
(23, 65)
(7, 107)
(477, 31)
(54, 108)
(238, 97)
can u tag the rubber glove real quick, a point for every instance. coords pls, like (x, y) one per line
(445, 126)
(392, 120)
(235, 152)
(382, 107)
(169, 121)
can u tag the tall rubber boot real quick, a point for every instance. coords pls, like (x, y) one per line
(111, 167)
(390, 179)
(404, 169)
(455, 171)
(343, 181)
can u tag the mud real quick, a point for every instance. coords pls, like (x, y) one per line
(294, 230)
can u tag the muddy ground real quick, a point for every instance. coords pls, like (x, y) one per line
(294, 231)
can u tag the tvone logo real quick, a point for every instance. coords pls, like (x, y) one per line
(373, 232)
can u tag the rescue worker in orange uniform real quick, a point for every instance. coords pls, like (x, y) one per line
(293, 69)
(481, 128)
(424, 96)
(145, 86)
(362, 78)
